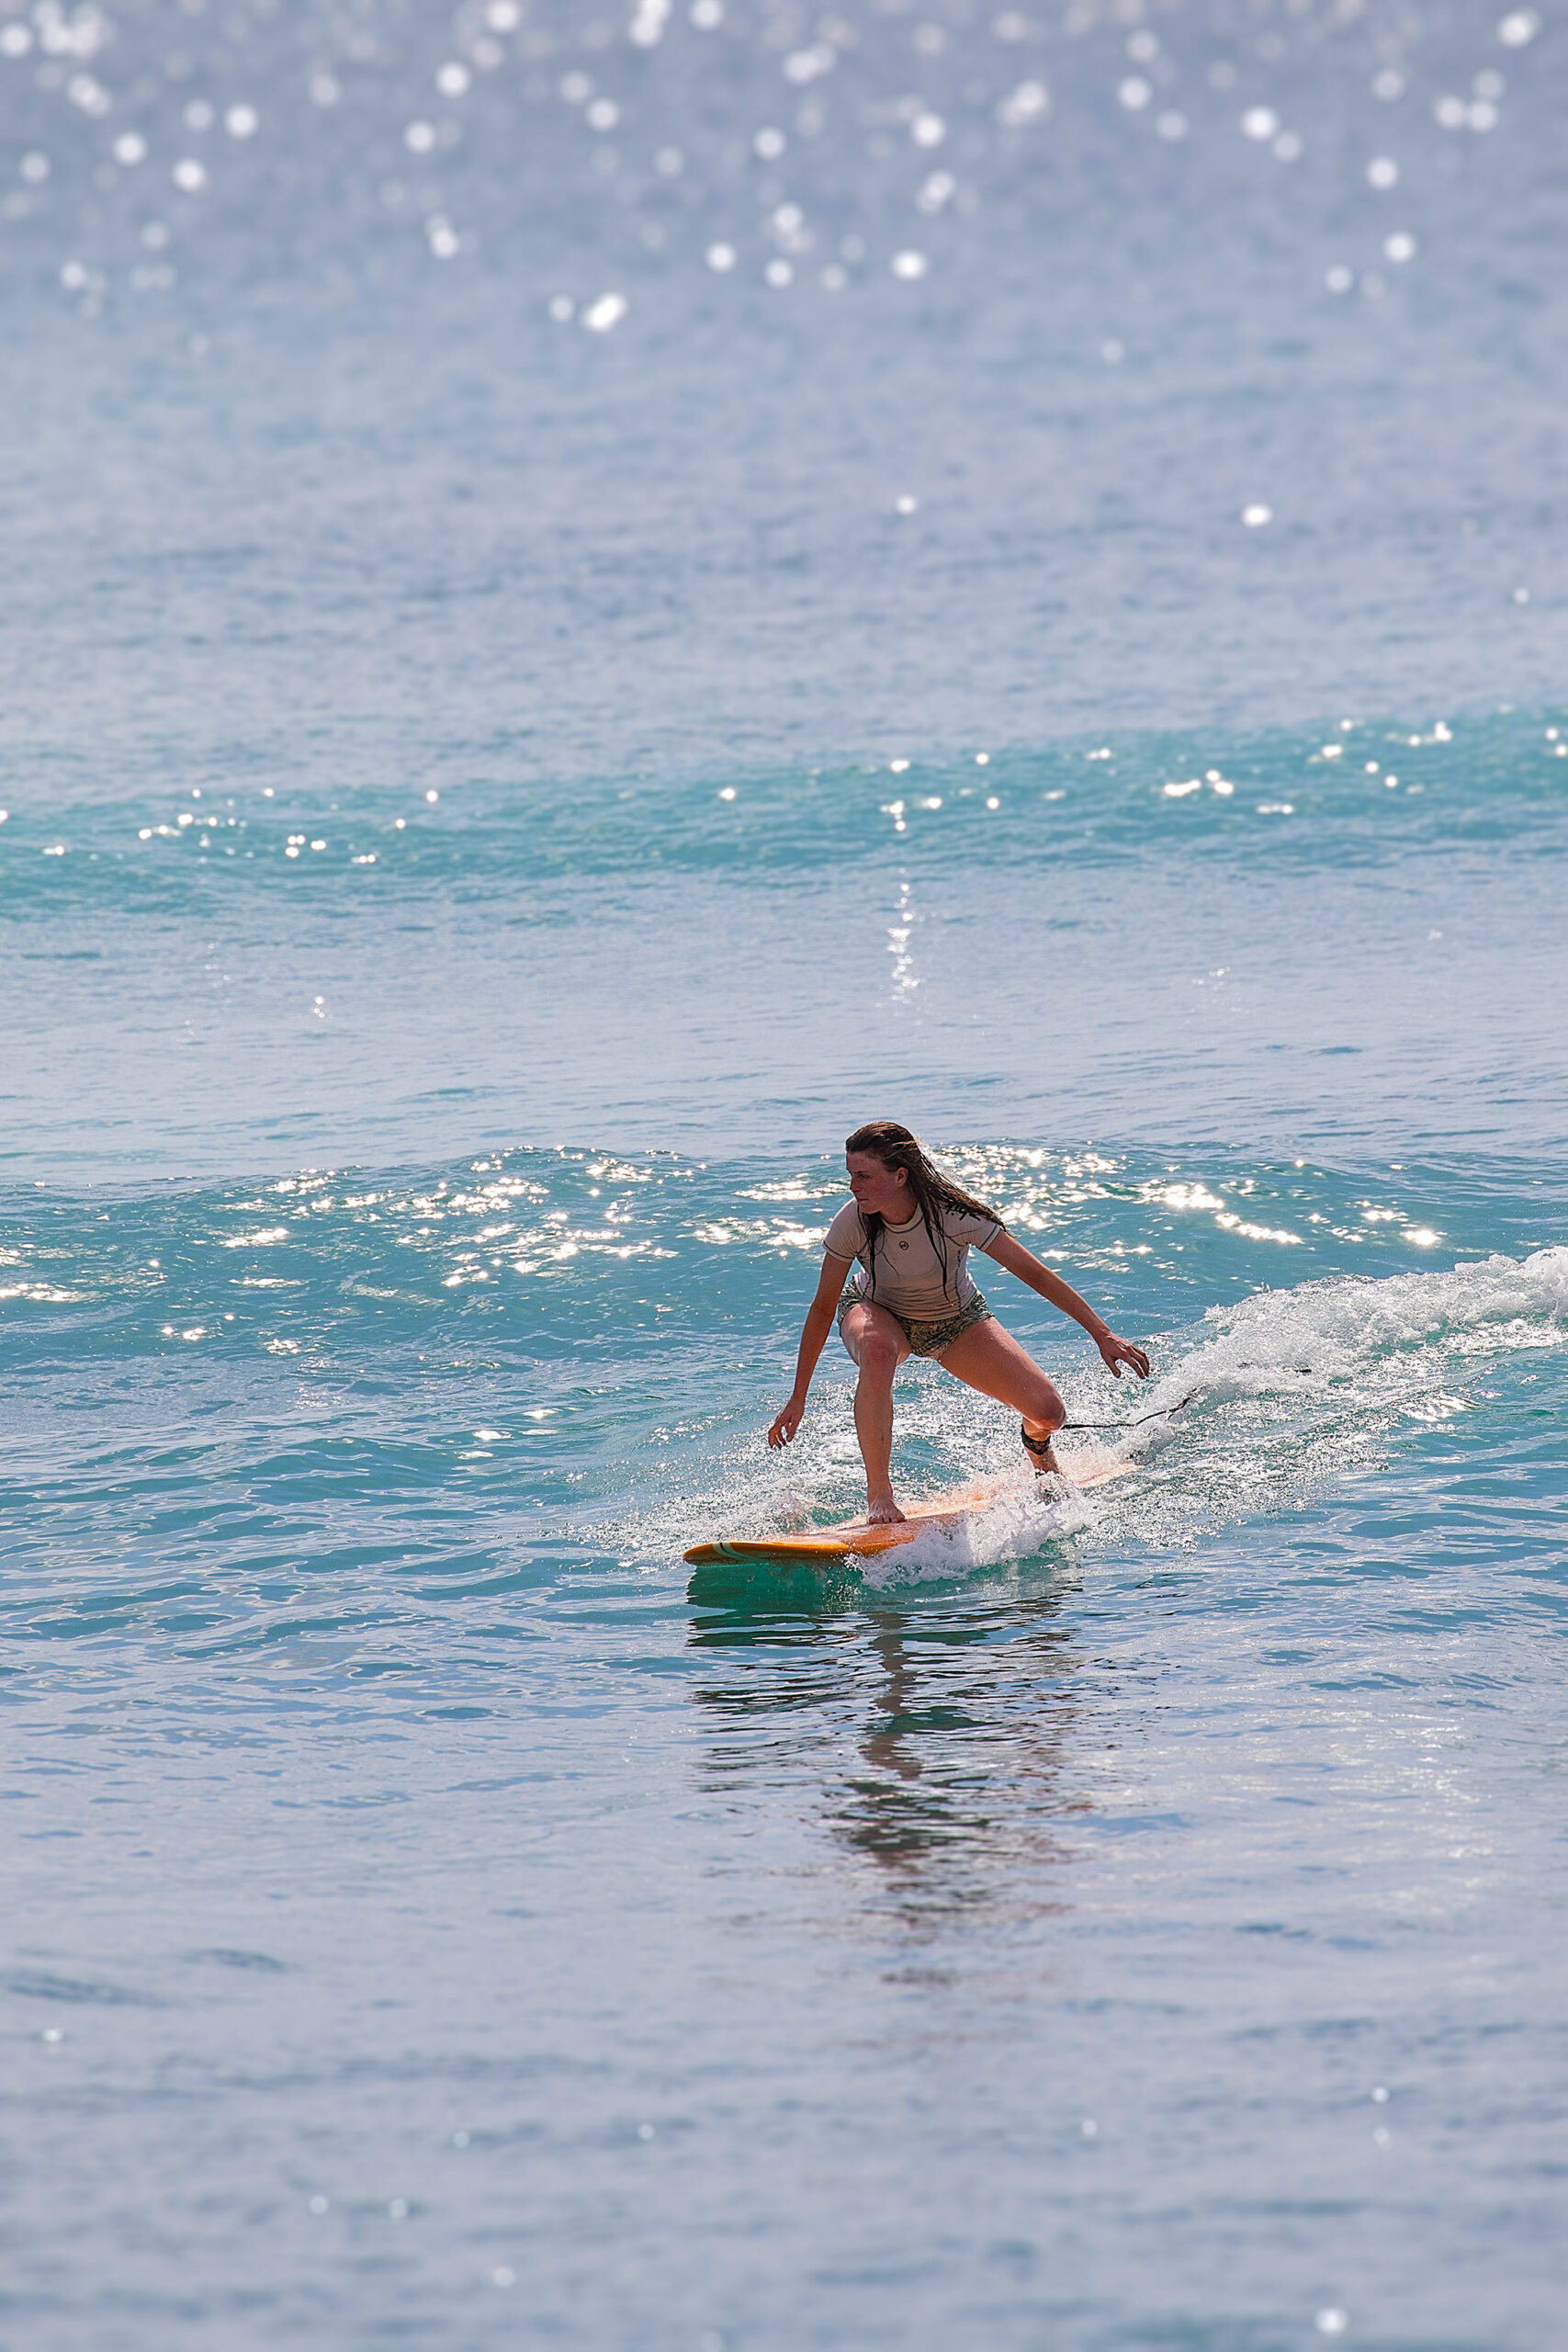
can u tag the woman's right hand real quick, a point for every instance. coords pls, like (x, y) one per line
(788, 1421)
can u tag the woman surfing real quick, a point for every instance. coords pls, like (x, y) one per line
(907, 1231)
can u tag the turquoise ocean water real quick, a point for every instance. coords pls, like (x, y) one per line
(496, 784)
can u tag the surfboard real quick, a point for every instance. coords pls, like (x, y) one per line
(857, 1538)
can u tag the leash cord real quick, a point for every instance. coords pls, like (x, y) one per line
(1162, 1415)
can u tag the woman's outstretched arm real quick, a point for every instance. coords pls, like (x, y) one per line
(813, 1339)
(1028, 1268)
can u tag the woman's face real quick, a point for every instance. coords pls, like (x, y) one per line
(879, 1190)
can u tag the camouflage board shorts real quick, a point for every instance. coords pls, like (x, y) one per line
(925, 1339)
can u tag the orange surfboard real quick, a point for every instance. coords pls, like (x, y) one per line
(857, 1538)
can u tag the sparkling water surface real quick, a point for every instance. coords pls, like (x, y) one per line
(593, 601)
(1135, 1919)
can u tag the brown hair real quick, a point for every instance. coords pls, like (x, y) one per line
(885, 1140)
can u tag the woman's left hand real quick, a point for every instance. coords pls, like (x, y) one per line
(1116, 1352)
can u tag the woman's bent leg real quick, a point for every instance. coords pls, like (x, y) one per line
(990, 1359)
(875, 1340)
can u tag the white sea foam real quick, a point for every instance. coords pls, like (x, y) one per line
(1365, 1328)
(1022, 1519)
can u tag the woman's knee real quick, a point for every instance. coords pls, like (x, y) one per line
(1045, 1409)
(876, 1352)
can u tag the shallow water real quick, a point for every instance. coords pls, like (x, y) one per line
(494, 792)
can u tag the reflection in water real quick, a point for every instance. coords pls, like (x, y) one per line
(936, 1732)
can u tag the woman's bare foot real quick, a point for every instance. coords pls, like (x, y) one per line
(881, 1511)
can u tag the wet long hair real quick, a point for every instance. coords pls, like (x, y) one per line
(885, 1140)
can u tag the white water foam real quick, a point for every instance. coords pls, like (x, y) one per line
(1023, 1516)
(1358, 1328)
(1292, 1393)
